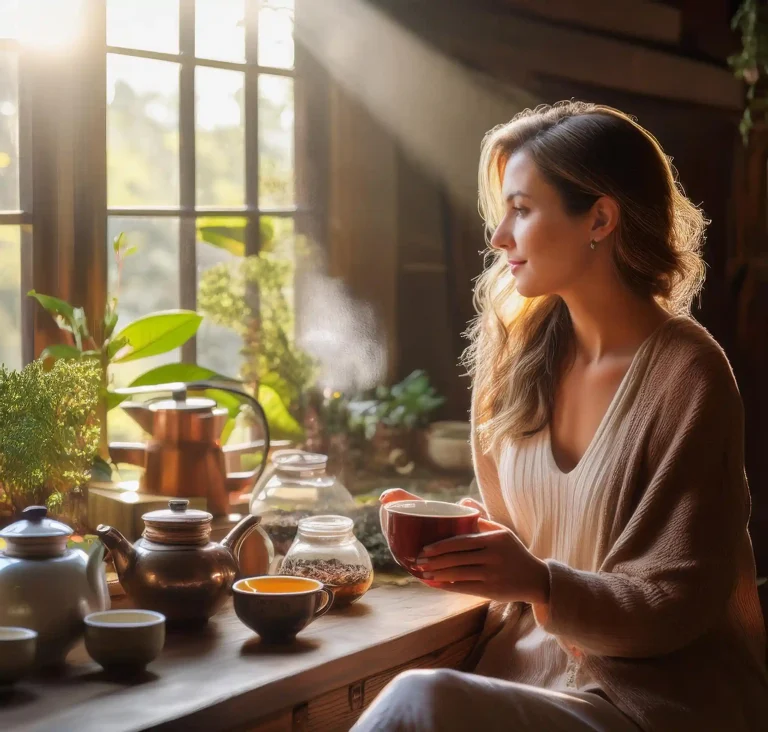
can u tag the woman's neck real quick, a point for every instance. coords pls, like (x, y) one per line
(611, 321)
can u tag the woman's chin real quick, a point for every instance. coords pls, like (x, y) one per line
(525, 288)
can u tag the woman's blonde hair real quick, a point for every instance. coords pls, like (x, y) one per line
(518, 346)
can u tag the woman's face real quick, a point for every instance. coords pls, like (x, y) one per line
(548, 250)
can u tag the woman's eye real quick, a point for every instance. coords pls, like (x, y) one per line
(519, 210)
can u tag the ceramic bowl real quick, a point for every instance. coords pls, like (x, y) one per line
(278, 608)
(448, 445)
(124, 640)
(17, 653)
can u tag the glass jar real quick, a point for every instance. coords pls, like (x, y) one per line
(327, 550)
(299, 487)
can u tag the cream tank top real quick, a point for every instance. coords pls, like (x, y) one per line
(557, 516)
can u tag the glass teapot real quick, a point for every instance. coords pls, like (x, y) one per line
(299, 487)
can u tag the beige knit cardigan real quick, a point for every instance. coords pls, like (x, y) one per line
(670, 627)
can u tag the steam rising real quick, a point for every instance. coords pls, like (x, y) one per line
(342, 333)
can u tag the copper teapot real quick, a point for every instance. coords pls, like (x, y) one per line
(175, 568)
(185, 458)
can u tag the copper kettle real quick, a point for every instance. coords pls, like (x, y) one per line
(184, 458)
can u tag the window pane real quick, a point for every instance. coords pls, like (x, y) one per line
(221, 294)
(276, 183)
(220, 30)
(276, 34)
(219, 137)
(9, 132)
(149, 280)
(149, 25)
(9, 18)
(10, 296)
(219, 339)
(142, 132)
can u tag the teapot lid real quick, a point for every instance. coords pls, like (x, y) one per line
(190, 404)
(177, 524)
(178, 512)
(36, 535)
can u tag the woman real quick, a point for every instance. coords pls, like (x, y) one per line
(608, 448)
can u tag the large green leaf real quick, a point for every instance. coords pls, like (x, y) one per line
(62, 312)
(282, 425)
(171, 372)
(158, 333)
(61, 350)
(115, 400)
(226, 233)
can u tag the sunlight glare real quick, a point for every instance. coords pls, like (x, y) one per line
(50, 25)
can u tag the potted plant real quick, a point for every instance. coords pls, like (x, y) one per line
(49, 436)
(393, 418)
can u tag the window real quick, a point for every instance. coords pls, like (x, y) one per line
(15, 232)
(169, 120)
(199, 137)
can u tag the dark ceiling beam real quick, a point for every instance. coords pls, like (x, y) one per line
(506, 45)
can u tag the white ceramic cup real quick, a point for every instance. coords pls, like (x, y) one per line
(17, 653)
(124, 640)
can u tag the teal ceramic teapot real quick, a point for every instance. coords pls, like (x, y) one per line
(48, 587)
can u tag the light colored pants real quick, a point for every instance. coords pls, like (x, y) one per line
(451, 701)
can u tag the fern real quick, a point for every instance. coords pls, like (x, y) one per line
(49, 432)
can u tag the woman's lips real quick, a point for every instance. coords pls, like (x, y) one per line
(514, 264)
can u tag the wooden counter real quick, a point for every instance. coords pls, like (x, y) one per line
(222, 678)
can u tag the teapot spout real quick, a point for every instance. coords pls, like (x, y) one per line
(235, 538)
(97, 579)
(140, 414)
(123, 553)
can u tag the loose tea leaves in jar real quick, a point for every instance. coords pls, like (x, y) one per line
(327, 550)
(348, 582)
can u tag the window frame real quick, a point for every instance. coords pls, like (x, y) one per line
(187, 212)
(64, 237)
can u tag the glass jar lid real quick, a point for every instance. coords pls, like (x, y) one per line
(36, 535)
(177, 524)
(326, 526)
(299, 463)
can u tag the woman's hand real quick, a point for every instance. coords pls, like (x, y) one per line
(472, 503)
(493, 564)
(398, 494)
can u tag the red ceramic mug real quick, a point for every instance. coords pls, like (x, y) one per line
(409, 526)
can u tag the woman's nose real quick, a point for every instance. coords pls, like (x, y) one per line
(502, 237)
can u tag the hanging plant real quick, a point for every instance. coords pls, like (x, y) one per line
(751, 63)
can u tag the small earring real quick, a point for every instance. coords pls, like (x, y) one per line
(593, 245)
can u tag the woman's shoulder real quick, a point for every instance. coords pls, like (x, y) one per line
(688, 359)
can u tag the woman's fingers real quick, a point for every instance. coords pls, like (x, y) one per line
(472, 503)
(397, 494)
(463, 543)
(457, 559)
(470, 573)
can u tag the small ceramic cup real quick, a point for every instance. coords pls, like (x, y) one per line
(17, 653)
(278, 608)
(124, 640)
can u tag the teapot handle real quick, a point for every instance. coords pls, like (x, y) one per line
(242, 481)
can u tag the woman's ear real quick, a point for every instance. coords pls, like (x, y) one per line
(605, 218)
